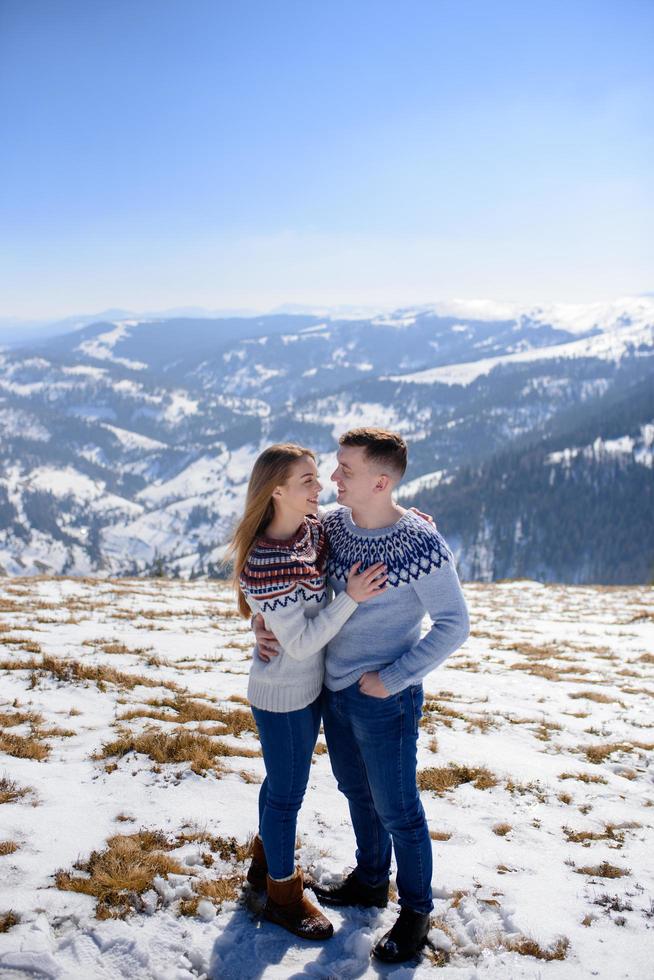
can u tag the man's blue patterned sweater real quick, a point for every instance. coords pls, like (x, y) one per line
(384, 633)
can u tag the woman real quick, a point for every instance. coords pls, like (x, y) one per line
(280, 551)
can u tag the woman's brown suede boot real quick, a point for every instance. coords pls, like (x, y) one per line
(288, 907)
(258, 869)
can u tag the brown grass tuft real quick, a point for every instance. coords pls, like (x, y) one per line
(10, 718)
(440, 779)
(529, 947)
(183, 709)
(598, 753)
(8, 920)
(603, 870)
(225, 847)
(534, 788)
(119, 875)
(8, 847)
(439, 834)
(203, 752)
(10, 791)
(539, 670)
(584, 777)
(74, 672)
(596, 696)
(23, 746)
(612, 832)
(501, 829)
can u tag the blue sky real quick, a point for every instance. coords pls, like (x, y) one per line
(245, 154)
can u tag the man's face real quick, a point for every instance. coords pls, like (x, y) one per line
(355, 478)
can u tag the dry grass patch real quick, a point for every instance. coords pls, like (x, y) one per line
(645, 616)
(481, 722)
(225, 847)
(603, 870)
(432, 706)
(596, 696)
(530, 947)
(613, 903)
(534, 788)
(120, 648)
(598, 753)
(8, 920)
(545, 728)
(9, 719)
(8, 847)
(55, 732)
(216, 890)
(23, 746)
(539, 670)
(11, 640)
(612, 832)
(441, 779)
(74, 672)
(440, 834)
(533, 652)
(584, 777)
(501, 829)
(118, 876)
(10, 791)
(183, 710)
(646, 658)
(200, 750)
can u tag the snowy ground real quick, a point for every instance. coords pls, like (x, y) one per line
(554, 684)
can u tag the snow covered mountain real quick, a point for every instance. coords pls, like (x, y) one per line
(125, 446)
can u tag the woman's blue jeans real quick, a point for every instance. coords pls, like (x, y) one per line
(372, 746)
(287, 741)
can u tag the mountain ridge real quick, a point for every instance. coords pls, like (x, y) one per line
(126, 446)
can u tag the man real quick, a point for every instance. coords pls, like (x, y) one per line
(372, 698)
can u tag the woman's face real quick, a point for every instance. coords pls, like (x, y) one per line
(299, 495)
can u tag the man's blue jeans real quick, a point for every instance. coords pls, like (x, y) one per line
(287, 741)
(372, 746)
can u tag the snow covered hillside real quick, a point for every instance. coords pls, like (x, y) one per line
(129, 774)
(125, 446)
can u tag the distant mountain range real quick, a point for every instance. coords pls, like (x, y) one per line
(126, 445)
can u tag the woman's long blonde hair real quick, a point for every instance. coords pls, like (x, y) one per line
(271, 469)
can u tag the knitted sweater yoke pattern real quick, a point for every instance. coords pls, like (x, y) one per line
(410, 549)
(279, 572)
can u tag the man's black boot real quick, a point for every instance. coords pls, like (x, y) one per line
(403, 941)
(353, 892)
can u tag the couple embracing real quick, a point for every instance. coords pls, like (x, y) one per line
(338, 601)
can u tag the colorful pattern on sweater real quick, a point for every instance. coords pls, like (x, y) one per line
(279, 572)
(410, 549)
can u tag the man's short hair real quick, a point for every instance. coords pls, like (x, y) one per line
(383, 448)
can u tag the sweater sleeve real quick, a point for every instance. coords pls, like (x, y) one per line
(299, 635)
(442, 598)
